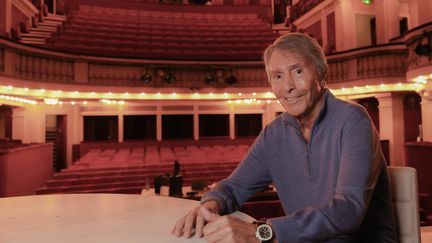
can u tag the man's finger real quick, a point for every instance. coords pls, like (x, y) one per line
(179, 227)
(189, 224)
(200, 221)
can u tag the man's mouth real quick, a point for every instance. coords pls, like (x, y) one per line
(292, 99)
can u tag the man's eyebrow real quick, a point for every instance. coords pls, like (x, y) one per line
(290, 67)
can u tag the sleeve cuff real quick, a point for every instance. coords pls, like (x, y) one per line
(285, 229)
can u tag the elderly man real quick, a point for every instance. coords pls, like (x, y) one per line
(323, 156)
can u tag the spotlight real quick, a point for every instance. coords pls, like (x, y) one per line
(210, 79)
(146, 78)
(169, 78)
(230, 80)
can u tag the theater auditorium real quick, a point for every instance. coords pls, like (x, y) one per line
(104, 103)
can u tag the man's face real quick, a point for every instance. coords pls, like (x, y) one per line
(295, 83)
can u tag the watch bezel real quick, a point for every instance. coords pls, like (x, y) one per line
(259, 232)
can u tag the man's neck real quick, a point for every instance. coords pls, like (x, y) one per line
(306, 122)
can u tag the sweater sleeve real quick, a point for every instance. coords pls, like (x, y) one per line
(360, 162)
(250, 177)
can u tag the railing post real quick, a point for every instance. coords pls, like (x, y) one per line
(9, 61)
(81, 71)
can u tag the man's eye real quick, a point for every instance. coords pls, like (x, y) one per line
(298, 71)
(277, 76)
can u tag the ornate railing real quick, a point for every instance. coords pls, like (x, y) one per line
(368, 63)
(186, 76)
(34, 64)
(43, 68)
(419, 38)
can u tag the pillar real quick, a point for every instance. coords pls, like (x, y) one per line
(195, 123)
(158, 123)
(120, 126)
(345, 19)
(426, 111)
(5, 17)
(387, 20)
(419, 12)
(231, 125)
(74, 130)
(391, 125)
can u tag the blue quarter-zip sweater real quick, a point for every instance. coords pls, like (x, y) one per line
(333, 189)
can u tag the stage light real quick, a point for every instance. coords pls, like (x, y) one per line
(210, 79)
(146, 78)
(169, 78)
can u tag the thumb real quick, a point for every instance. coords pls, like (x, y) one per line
(208, 215)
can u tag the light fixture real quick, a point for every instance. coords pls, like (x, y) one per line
(50, 101)
(169, 78)
(210, 79)
(146, 78)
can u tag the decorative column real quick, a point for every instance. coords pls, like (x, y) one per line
(231, 124)
(387, 20)
(195, 123)
(5, 17)
(324, 34)
(345, 19)
(120, 125)
(158, 123)
(419, 12)
(74, 130)
(391, 125)
(426, 112)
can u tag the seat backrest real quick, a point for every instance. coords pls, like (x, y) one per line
(403, 184)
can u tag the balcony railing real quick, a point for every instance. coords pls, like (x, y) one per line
(419, 38)
(34, 64)
(367, 63)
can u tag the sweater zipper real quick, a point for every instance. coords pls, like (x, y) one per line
(307, 145)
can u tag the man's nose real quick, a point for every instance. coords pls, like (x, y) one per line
(288, 84)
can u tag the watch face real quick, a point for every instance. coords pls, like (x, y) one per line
(264, 232)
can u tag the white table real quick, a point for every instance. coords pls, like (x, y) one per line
(93, 218)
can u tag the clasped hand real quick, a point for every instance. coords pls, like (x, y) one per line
(213, 227)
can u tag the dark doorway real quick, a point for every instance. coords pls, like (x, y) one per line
(139, 127)
(412, 116)
(55, 132)
(371, 105)
(177, 126)
(248, 125)
(214, 125)
(5, 122)
(101, 128)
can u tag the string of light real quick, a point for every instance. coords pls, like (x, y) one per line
(59, 97)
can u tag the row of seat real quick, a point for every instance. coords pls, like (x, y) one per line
(192, 35)
(155, 44)
(155, 155)
(165, 54)
(146, 25)
(91, 30)
(166, 21)
(133, 13)
(127, 178)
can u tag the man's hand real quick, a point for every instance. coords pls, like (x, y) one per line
(227, 228)
(194, 220)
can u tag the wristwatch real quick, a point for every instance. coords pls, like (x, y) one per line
(264, 232)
